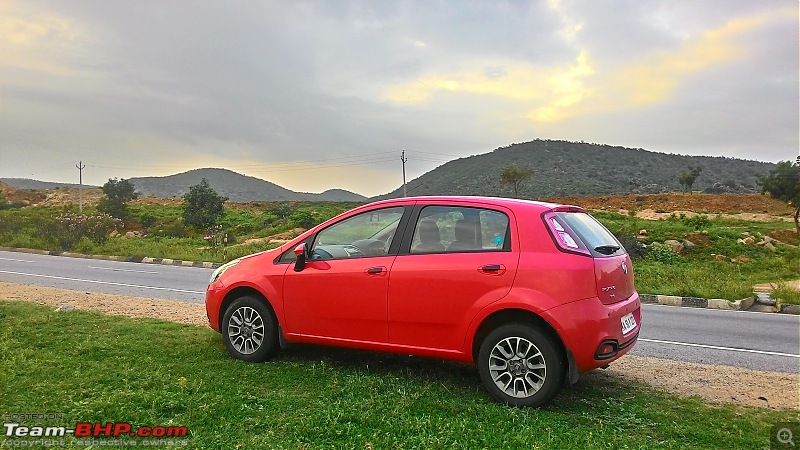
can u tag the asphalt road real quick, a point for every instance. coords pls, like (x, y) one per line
(93, 275)
(760, 341)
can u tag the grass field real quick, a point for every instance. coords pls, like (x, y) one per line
(95, 368)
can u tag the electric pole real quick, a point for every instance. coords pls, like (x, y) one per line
(80, 167)
(403, 159)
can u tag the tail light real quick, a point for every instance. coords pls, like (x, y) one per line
(563, 236)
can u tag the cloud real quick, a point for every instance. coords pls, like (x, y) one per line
(656, 77)
(135, 88)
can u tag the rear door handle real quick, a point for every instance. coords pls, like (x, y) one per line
(492, 269)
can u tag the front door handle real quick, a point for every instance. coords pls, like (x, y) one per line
(492, 269)
(380, 270)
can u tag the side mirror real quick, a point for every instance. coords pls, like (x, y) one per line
(300, 253)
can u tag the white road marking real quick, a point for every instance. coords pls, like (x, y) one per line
(14, 259)
(102, 282)
(716, 347)
(122, 270)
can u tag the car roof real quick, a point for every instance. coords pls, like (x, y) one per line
(498, 201)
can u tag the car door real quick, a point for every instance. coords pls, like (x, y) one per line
(438, 284)
(341, 291)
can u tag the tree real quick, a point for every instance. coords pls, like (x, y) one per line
(117, 194)
(514, 176)
(783, 183)
(202, 206)
(688, 178)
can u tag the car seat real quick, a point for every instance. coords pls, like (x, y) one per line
(429, 238)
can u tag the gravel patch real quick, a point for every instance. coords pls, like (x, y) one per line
(714, 384)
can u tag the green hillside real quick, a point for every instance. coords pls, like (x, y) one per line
(235, 186)
(564, 168)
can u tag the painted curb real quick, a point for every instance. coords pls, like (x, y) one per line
(654, 299)
(713, 303)
(133, 259)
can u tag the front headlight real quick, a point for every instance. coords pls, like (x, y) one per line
(221, 269)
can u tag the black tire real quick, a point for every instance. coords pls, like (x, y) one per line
(250, 330)
(520, 365)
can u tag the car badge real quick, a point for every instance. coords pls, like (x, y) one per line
(624, 267)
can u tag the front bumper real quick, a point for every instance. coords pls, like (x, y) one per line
(215, 293)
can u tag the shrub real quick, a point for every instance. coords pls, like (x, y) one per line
(147, 220)
(303, 219)
(176, 229)
(202, 206)
(67, 229)
(117, 194)
(697, 222)
(662, 253)
(635, 248)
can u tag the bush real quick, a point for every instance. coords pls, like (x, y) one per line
(117, 194)
(698, 222)
(147, 220)
(302, 219)
(68, 229)
(176, 229)
(662, 253)
(635, 248)
(202, 206)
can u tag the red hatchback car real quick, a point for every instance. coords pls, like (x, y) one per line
(531, 293)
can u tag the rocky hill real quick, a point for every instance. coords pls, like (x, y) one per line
(28, 184)
(564, 168)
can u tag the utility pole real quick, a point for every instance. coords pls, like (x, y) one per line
(80, 167)
(403, 159)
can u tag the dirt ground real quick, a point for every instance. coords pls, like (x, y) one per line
(21, 197)
(715, 384)
(675, 202)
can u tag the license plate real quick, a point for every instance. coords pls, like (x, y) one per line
(628, 323)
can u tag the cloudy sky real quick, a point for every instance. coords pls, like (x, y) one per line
(315, 95)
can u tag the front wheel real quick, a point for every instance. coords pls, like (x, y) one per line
(520, 365)
(250, 330)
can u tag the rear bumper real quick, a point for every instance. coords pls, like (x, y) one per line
(592, 331)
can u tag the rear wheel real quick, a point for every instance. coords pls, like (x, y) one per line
(250, 330)
(520, 365)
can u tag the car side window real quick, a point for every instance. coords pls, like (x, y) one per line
(363, 235)
(447, 229)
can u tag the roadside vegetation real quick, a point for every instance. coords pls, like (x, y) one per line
(715, 265)
(95, 368)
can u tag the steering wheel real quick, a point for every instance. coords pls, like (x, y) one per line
(353, 251)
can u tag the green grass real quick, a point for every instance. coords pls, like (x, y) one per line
(95, 368)
(786, 294)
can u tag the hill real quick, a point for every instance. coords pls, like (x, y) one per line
(563, 168)
(27, 183)
(235, 186)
